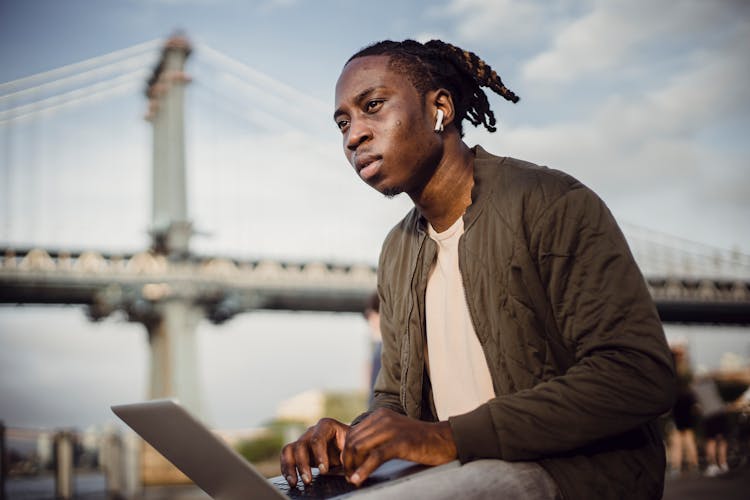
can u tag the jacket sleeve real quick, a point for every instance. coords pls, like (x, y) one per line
(388, 382)
(622, 374)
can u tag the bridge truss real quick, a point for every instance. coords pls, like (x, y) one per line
(224, 287)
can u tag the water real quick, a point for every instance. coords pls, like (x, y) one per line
(88, 485)
(57, 369)
(92, 486)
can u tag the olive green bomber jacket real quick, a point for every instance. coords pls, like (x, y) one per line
(575, 348)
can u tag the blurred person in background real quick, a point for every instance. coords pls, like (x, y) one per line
(519, 336)
(714, 423)
(742, 403)
(739, 447)
(683, 450)
(372, 315)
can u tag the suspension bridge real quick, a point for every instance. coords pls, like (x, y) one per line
(64, 184)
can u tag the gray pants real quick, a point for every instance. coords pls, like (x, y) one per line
(490, 479)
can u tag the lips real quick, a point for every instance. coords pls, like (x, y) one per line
(367, 165)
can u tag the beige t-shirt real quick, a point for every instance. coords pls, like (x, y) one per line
(458, 369)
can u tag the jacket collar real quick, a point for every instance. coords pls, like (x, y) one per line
(483, 166)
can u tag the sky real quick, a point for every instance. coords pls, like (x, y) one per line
(645, 102)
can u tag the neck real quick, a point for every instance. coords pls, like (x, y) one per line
(447, 194)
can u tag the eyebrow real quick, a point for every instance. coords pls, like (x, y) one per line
(360, 97)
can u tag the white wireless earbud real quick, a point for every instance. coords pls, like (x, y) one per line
(439, 121)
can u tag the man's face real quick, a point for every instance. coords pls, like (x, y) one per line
(387, 127)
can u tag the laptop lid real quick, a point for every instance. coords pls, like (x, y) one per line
(201, 455)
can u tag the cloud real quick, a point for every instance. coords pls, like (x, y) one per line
(673, 185)
(669, 143)
(500, 21)
(664, 123)
(269, 5)
(617, 33)
(425, 37)
(652, 134)
(182, 3)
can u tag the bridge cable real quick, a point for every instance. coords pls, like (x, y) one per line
(137, 62)
(81, 94)
(105, 58)
(286, 92)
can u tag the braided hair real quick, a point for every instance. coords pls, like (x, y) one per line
(437, 64)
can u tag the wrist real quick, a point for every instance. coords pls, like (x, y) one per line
(446, 437)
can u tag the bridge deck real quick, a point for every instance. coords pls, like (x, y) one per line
(225, 287)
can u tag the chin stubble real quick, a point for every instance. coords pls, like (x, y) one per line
(392, 192)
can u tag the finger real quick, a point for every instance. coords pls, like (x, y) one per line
(302, 458)
(365, 430)
(319, 446)
(341, 435)
(359, 447)
(288, 465)
(348, 460)
(374, 459)
(377, 421)
(336, 449)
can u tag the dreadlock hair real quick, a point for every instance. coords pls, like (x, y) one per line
(437, 64)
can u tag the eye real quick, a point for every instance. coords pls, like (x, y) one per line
(373, 105)
(342, 124)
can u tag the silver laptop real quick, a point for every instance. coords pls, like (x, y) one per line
(223, 473)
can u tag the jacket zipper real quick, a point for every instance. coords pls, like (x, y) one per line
(406, 358)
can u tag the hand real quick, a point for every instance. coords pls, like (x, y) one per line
(323, 443)
(385, 434)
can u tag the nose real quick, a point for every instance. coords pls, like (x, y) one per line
(359, 133)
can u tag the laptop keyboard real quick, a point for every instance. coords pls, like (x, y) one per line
(322, 486)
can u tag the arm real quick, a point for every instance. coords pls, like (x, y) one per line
(622, 375)
(742, 403)
(385, 432)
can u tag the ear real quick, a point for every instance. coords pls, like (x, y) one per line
(441, 99)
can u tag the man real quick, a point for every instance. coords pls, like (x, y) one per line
(516, 325)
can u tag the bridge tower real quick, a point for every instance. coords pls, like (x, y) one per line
(172, 322)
